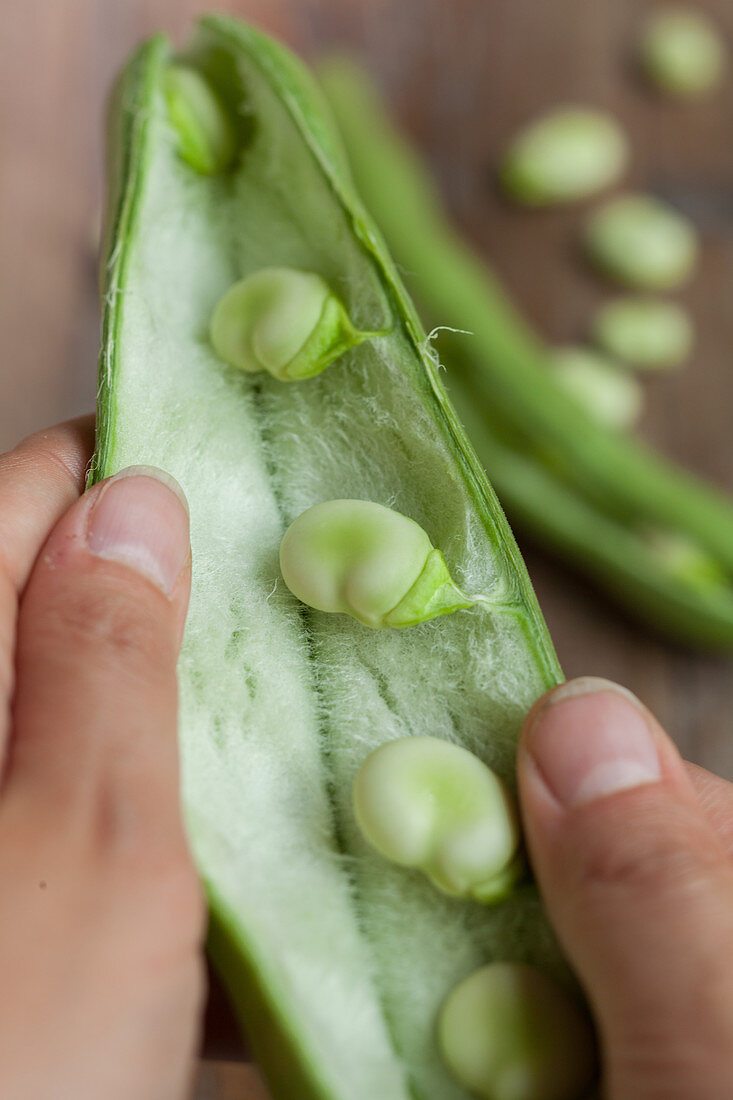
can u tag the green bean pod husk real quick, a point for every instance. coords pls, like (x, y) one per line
(336, 961)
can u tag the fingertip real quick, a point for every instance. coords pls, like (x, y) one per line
(590, 738)
(571, 689)
(138, 519)
(100, 625)
(159, 475)
(68, 445)
(620, 848)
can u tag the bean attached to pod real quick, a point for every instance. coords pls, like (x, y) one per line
(642, 242)
(566, 155)
(358, 558)
(425, 803)
(509, 1032)
(284, 321)
(205, 135)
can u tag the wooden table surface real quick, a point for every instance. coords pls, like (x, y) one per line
(462, 75)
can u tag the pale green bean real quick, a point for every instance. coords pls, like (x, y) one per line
(205, 135)
(284, 321)
(646, 333)
(509, 1032)
(642, 243)
(682, 52)
(426, 803)
(568, 154)
(606, 391)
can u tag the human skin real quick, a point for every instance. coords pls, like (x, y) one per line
(101, 915)
(633, 852)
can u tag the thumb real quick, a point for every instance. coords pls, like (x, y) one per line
(98, 638)
(638, 886)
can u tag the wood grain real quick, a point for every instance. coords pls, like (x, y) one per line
(462, 75)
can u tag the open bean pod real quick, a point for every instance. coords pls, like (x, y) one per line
(337, 961)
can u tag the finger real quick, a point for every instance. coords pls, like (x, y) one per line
(99, 632)
(638, 886)
(39, 480)
(715, 796)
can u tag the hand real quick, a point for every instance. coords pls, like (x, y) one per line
(100, 909)
(633, 851)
